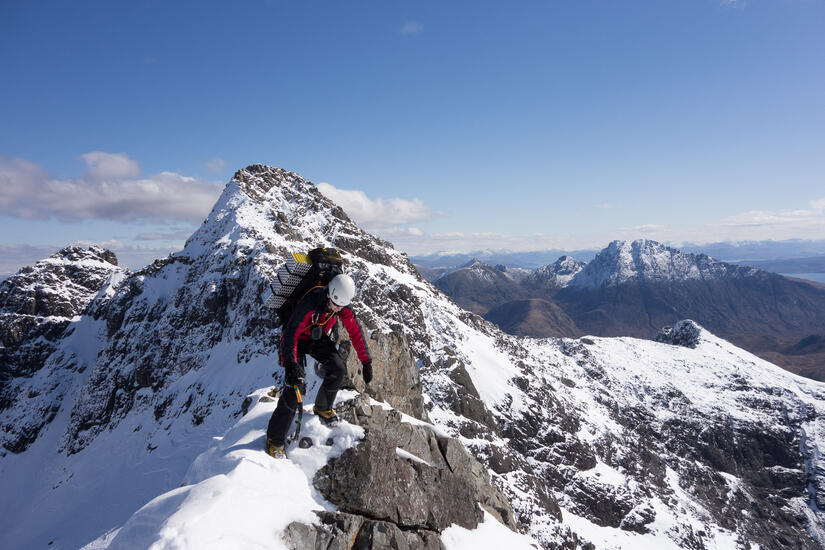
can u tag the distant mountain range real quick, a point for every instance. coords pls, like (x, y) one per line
(528, 260)
(791, 256)
(634, 288)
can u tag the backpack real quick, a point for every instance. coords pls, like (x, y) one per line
(300, 274)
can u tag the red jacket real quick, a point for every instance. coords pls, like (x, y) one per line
(313, 309)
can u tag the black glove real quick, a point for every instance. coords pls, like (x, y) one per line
(295, 375)
(368, 372)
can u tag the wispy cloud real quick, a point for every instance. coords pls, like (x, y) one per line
(411, 28)
(603, 206)
(735, 4)
(778, 224)
(650, 228)
(111, 189)
(378, 213)
(758, 225)
(168, 236)
(458, 241)
(216, 165)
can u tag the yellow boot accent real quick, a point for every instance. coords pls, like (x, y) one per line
(327, 416)
(275, 451)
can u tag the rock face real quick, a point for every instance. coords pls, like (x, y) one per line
(342, 531)
(373, 481)
(395, 375)
(37, 304)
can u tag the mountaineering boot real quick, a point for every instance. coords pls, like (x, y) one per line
(327, 416)
(275, 451)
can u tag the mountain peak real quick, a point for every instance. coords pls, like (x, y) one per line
(475, 262)
(265, 207)
(79, 254)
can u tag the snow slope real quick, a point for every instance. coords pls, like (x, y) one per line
(234, 496)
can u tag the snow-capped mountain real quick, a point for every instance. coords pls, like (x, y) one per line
(633, 289)
(652, 262)
(594, 442)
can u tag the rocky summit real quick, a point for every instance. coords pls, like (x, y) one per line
(466, 434)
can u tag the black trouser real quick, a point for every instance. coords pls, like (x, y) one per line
(333, 369)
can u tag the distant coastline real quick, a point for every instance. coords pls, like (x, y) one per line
(816, 277)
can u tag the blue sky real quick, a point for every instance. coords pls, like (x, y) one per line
(518, 125)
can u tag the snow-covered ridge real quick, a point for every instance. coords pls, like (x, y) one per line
(619, 442)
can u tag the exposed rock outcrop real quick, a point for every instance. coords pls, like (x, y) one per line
(396, 379)
(403, 484)
(684, 333)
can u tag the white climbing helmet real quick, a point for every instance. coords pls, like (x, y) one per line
(341, 290)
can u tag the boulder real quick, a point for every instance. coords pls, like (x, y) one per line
(372, 480)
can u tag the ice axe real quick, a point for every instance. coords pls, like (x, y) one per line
(300, 419)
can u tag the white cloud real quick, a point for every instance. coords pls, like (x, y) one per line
(411, 28)
(778, 224)
(216, 165)
(102, 166)
(111, 189)
(603, 206)
(378, 213)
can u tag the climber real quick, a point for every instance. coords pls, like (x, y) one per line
(307, 332)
